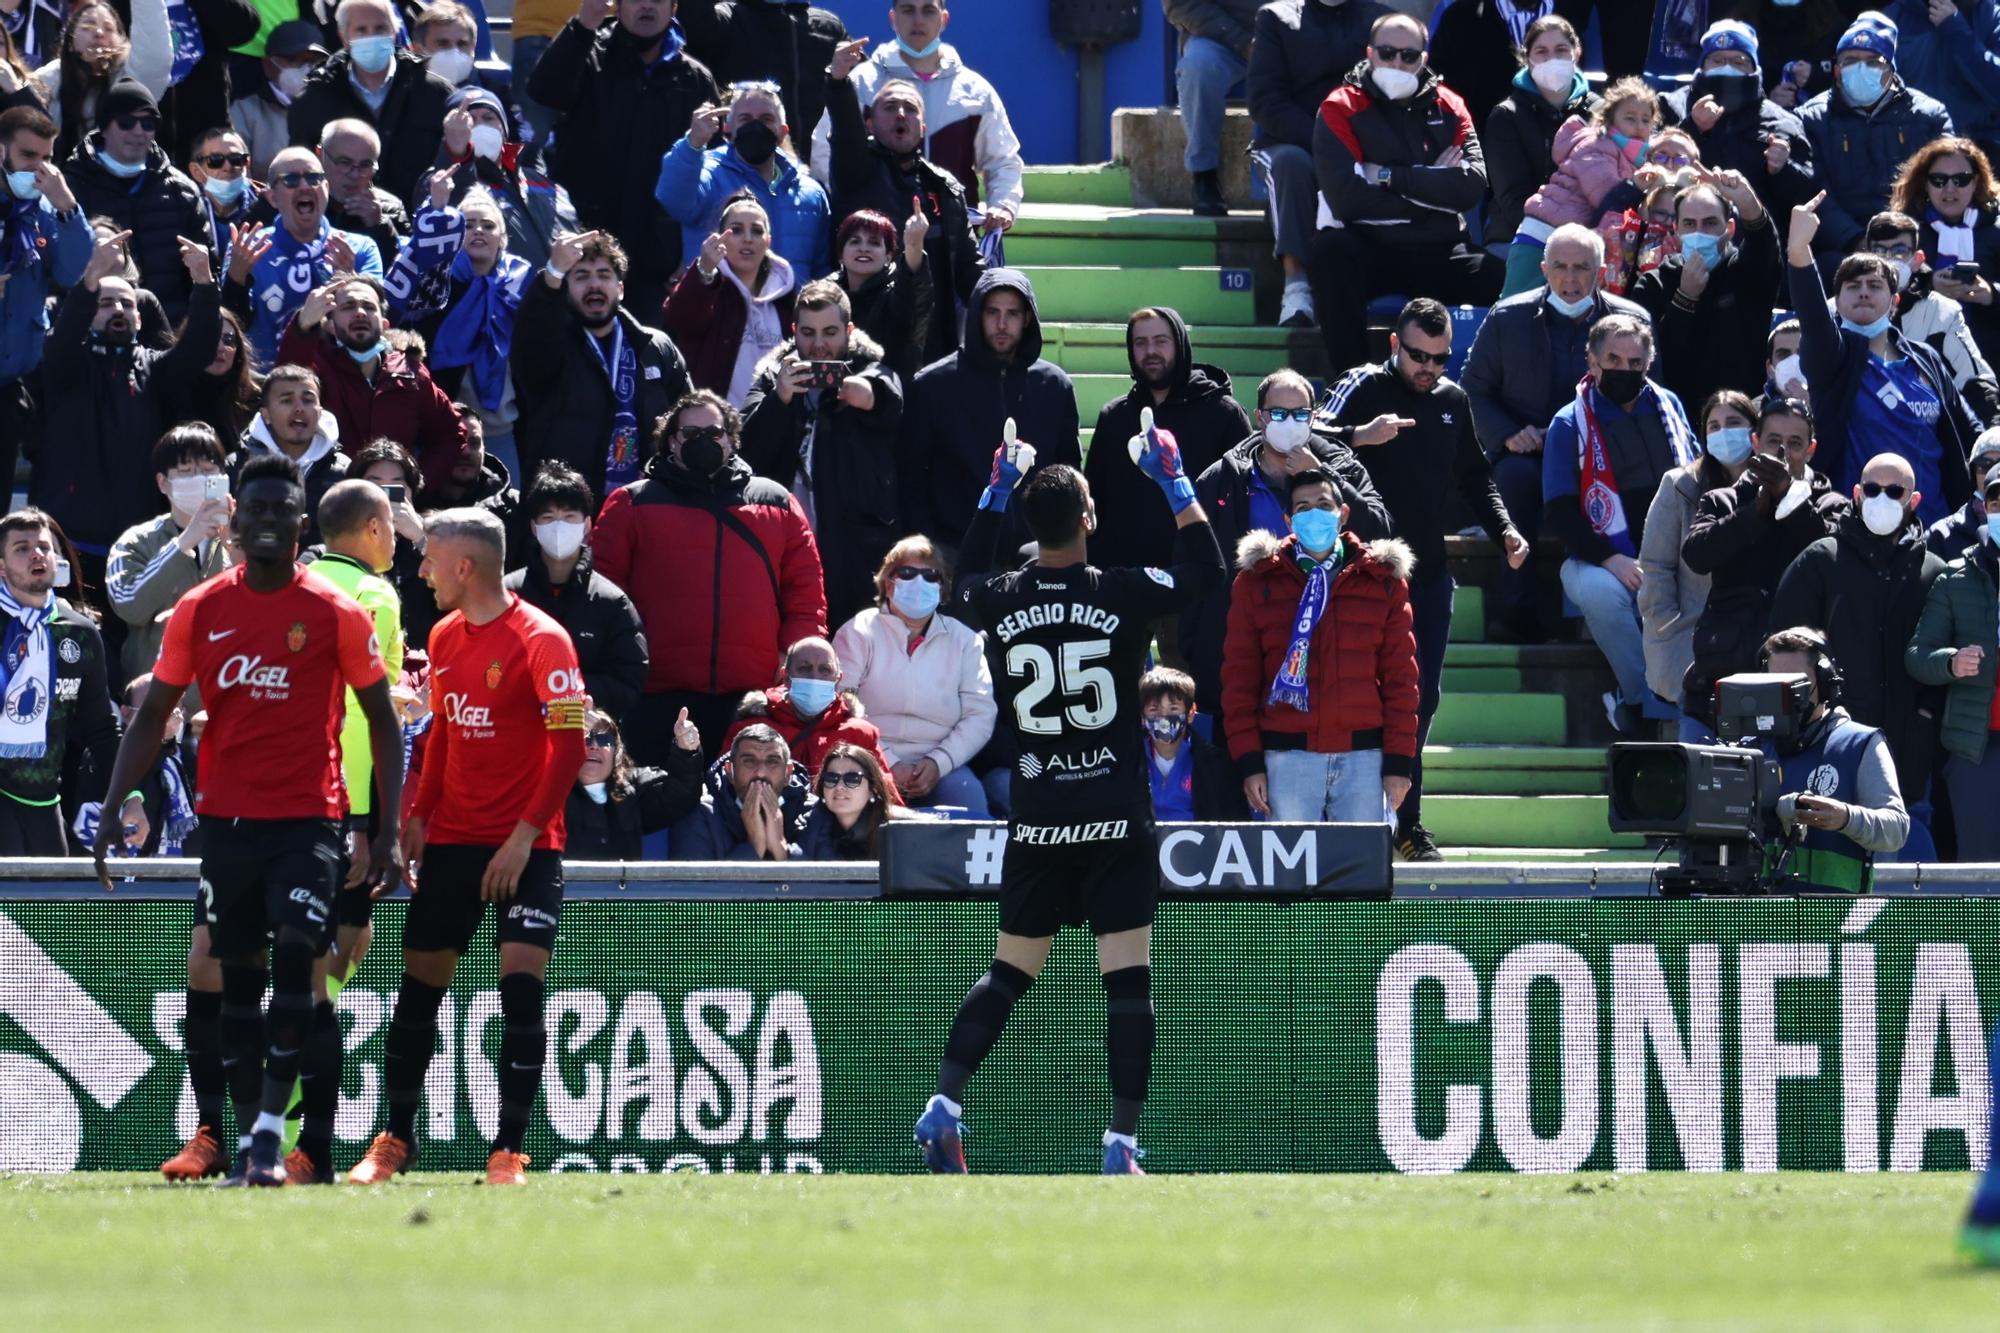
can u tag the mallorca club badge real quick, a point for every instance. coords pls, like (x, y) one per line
(295, 637)
(493, 676)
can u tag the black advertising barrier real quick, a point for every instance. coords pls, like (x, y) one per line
(964, 859)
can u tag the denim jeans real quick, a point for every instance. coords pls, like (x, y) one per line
(1612, 611)
(1308, 788)
(1206, 73)
(1293, 191)
(960, 787)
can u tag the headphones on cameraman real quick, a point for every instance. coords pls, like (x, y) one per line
(1826, 673)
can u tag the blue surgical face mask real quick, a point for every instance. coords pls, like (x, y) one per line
(226, 192)
(1868, 330)
(1570, 309)
(1317, 529)
(1731, 445)
(122, 170)
(1862, 84)
(372, 54)
(1993, 527)
(920, 53)
(363, 355)
(1701, 243)
(22, 183)
(915, 598)
(810, 697)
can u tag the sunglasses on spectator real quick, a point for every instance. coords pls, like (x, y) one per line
(292, 180)
(1895, 491)
(601, 740)
(1404, 55)
(849, 780)
(217, 161)
(146, 123)
(1289, 413)
(1422, 357)
(1940, 179)
(909, 573)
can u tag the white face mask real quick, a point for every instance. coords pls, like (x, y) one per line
(1395, 84)
(1287, 436)
(486, 142)
(187, 493)
(1554, 76)
(292, 80)
(1902, 267)
(1882, 515)
(1788, 370)
(452, 65)
(559, 538)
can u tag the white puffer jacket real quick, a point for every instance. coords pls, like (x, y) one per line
(936, 703)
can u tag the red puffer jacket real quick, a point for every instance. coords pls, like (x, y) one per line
(724, 571)
(810, 738)
(1362, 669)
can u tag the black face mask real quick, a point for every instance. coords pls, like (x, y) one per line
(755, 142)
(1732, 93)
(701, 451)
(1621, 386)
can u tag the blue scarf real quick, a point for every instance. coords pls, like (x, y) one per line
(479, 327)
(19, 251)
(186, 33)
(26, 674)
(280, 283)
(1292, 687)
(621, 368)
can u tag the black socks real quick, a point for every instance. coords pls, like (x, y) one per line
(1128, 1042)
(201, 1037)
(407, 1053)
(523, 1044)
(980, 1019)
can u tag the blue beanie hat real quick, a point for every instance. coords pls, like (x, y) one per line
(1730, 35)
(1871, 31)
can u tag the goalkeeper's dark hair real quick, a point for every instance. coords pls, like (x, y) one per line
(269, 467)
(1053, 502)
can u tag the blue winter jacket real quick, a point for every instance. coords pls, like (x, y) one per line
(1957, 62)
(64, 245)
(1856, 154)
(693, 185)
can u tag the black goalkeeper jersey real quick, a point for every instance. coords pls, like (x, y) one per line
(1067, 647)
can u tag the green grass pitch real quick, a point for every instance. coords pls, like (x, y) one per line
(1792, 1251)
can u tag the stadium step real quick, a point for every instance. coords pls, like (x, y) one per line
(1103, 294)
(1523, 821)
(1513, 770)
(1106, 184)
(1132, 238)
(1500, 719)
(1468, 615)
(1247, 352)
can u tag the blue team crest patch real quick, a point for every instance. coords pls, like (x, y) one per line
(1160, 576)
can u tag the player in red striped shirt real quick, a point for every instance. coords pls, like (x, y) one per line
(275, 648)
(506, 742)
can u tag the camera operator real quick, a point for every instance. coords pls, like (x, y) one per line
(1837, 771)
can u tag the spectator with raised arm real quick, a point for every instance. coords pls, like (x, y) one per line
(273, 269)
(1736, 126)
(888, 288)
(478, 154)
(787, 44)
(695, 180)
(615, 803)
(731, 307)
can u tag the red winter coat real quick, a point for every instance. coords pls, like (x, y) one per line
(811, 738)
(1362, 669)
(403, 404)
(724, 571)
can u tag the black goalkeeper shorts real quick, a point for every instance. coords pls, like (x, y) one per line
(1111, 884)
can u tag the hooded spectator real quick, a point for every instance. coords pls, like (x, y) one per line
(1300, 52)
(120, 174)
(877, 163)
(747, 581)
(695, 180)
(369, 79)
(624, 91)
(732, 306)
(966, 129)
(1244, 492)
(957, 407)
(1861, 130)
(590, 376)
(822, 419)
(292, 422)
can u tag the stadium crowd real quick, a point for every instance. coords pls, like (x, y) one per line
(707, 303)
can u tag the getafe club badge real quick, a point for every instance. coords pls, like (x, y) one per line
(493, 676)
(295, 637)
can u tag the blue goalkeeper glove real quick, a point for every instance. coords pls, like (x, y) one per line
(1011, 461)
(1158, 455)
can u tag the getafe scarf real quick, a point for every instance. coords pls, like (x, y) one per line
(1292, 689)
(188, 43)
(621, 367)
(18, 251)
(24, 678)
(1596, 484)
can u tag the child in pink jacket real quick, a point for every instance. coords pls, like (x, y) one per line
(1592, 159)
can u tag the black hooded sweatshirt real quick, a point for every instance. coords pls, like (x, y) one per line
(1135, 525)
(956, 408)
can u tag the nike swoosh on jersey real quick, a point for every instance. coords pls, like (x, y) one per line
(215, 634)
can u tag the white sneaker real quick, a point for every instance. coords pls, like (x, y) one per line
(1295, 311)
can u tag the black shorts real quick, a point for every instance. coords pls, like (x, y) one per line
(258, 875)
(1112, 884)
(446, 910)
(352, 907)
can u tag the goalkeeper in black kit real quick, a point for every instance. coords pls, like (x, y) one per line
(1067, 644)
